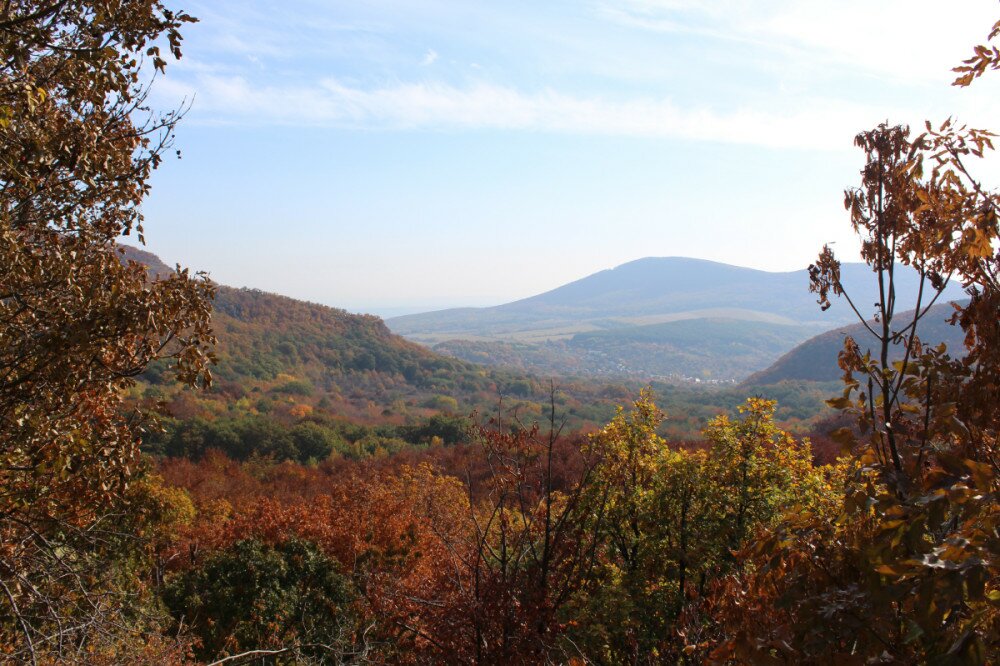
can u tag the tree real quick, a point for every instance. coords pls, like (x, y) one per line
(519, 555)
(755, 472)
(672, 520)
(905, 569)
(621, 611)
(931, 462)
(903, 221)
(76, 324)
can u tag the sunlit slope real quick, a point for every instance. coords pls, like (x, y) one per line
(267, 339)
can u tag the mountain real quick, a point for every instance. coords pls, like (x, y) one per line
(816, 359)
(653, 290)
(654, 317)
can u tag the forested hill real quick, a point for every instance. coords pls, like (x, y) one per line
(816, 358)
(297, 352)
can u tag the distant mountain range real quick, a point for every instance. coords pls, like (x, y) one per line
(669, 317)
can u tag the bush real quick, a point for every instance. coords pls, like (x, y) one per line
(295, 387)
(255, 596)
(444, 403)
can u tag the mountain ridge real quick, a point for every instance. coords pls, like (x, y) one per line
(267, 341)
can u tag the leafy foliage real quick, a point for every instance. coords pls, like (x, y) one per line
(904, 570)
(671, 519)
(76, 325)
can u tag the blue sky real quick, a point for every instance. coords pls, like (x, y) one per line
(377, 155)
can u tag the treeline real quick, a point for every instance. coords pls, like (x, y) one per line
(310, 440)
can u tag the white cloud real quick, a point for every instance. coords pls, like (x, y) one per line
(914, 40)
(438, 106)
(760, 106)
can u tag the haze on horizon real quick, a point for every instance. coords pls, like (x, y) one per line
(393, 156)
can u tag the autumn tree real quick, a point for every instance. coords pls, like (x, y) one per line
(905, 569)
(523, 551)
(76, 324)
(620, 613)
(672, 520)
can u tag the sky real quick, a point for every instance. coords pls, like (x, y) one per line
(389, 156)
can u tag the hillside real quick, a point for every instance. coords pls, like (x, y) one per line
(284, 364)
(291, 363)
(281, 350)
(816, 359)
(262, 335)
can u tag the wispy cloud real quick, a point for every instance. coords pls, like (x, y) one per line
(904, 39)
(367, 80)
(438, 106)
